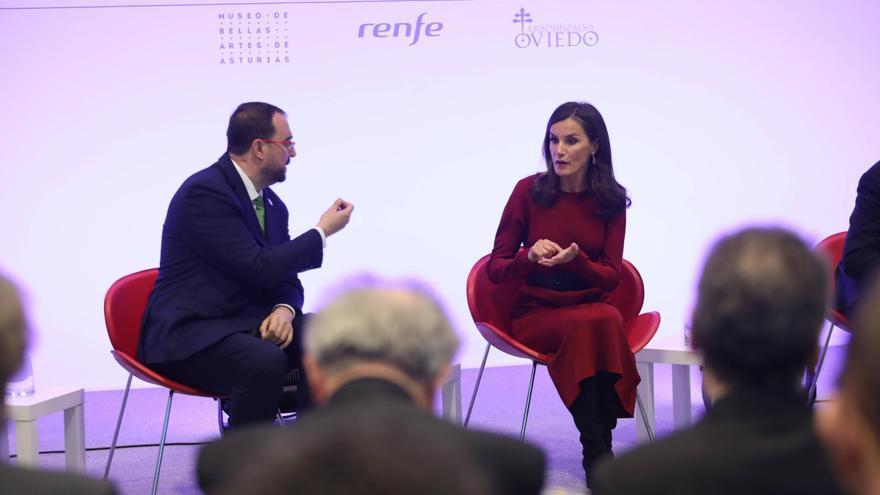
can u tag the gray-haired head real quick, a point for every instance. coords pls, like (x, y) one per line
(761, 303)
(397, 324)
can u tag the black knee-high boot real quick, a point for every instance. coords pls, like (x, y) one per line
(592, 423)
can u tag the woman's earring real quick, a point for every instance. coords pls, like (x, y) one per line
(595, 162)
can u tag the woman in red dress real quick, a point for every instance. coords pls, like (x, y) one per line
(561, 237)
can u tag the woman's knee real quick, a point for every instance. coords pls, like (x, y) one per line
(606, 314)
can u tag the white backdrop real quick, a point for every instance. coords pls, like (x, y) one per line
(720, 115)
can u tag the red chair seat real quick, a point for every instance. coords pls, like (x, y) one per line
(137, 369)
(124, 307)
(492, 304)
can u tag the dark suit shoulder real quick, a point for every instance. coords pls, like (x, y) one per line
(518, 465)
(730, 457)
(871, 176)
(211, 177)
(210, 190)
(218, 460)
(649, 468)
(516, 468)
(18, 480)
(869, 188)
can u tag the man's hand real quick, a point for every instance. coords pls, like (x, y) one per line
(543, 248)
(563, 256)
(336, 217)
(277, 328)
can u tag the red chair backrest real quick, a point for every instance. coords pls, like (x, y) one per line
(490, 302)
(831, 248)
(629, 295)
(493, 303)
(124, 307)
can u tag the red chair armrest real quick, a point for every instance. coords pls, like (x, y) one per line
(641, 329)
(503, 341)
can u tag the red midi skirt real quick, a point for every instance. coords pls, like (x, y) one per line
(583, 339)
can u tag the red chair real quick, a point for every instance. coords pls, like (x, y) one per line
(831, 248)
(491, 306)
(124, 307)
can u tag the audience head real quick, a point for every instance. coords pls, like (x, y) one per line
(399, 330)
(849, 424)
(361, 452)
(13, 330)
(599, 179)
(250, 121)
(760, 305)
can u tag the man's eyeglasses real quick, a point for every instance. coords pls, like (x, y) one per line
(284, 144)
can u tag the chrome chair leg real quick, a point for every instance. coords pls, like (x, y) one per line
(522, 432)
(648, 429)
(162, 442)
(467, 417)
(220, 418)
(118, 425)
(814, 380)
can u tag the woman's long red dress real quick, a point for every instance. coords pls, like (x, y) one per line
(580, 328)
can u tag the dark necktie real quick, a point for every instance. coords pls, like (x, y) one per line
(261, 213)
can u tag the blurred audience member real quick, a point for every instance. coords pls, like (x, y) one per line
(850, 424)
(761, 302)
(375, 357)
(14, 479)
(366, 452)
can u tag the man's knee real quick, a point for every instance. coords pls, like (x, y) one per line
(266, 363)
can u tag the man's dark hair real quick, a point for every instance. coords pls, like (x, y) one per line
(250, 121)
(761, 303)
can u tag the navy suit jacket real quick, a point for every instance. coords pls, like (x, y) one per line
(218, 273)
(861, 254)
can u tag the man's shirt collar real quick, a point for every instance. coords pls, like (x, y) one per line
(248, 184)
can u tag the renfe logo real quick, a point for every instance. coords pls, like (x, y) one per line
(401, 29)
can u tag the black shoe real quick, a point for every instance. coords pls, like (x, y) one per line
(596, 443)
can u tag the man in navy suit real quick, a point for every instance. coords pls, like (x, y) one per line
(861, 254)
(226, 312)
